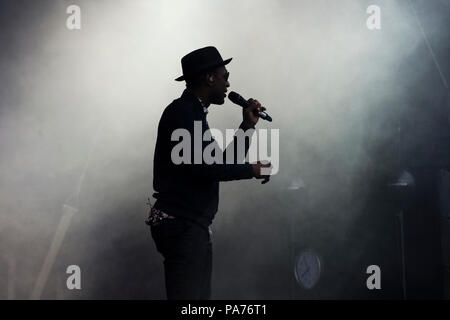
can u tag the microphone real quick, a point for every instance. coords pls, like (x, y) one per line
(239, 100)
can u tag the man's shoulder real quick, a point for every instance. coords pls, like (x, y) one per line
(179, 108)
(181, 104)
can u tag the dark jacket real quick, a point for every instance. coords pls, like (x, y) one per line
(190, 191)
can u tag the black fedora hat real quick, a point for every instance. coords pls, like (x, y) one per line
(200, 60)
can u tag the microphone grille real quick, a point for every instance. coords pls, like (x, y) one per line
(234, 97)
(238, 99)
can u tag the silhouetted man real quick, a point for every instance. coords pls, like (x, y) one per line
(188, 193)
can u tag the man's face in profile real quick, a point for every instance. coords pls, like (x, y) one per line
(219, 85)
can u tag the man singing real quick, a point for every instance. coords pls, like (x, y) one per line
(188, 193)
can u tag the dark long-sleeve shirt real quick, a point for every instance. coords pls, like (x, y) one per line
(190, 190)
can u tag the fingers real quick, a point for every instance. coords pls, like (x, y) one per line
(255, 104)
(265, 177)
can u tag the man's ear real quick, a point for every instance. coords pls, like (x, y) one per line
(210, 78)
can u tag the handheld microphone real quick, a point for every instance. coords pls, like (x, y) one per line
(239, 100)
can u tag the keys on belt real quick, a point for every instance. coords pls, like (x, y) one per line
(156, 216)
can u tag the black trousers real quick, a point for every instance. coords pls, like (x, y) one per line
(187, 251)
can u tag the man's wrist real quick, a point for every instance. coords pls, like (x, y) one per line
(245, 126)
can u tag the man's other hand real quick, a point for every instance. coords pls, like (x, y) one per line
(257, 171)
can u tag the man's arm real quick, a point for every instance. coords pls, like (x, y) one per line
(223, 171)
(238, 148)
(247, 128)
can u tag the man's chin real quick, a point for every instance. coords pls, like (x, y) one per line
(219, 102)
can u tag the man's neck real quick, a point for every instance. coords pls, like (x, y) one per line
(202, 96)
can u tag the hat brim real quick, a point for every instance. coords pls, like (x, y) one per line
(225, 62)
